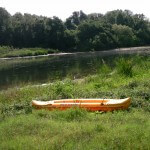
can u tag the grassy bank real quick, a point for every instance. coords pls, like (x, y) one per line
(76, 129)
(25, 128)
(6, 51)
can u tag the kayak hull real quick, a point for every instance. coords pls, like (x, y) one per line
(88, 104)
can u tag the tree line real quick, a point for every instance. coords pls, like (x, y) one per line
(79, 32)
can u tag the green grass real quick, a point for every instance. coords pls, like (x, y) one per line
(6, 51)
(22, 127)
(76, 129)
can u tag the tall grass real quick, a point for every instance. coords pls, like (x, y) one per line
(73, 130)
(6, 51)
(125, 66)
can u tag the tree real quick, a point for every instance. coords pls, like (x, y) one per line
(95, 16)
(4, 27)
(120, 17)
(80, 32)
(17, 30)
(77, 17)
(124, 35)
(55, 33)
(70, 40)
(94, 36)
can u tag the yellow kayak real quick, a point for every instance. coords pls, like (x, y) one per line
(88, 104)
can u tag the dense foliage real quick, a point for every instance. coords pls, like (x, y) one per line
(79, 32)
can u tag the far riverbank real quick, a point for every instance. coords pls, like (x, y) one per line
(43, 53)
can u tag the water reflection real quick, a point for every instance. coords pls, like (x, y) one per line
(39, 70)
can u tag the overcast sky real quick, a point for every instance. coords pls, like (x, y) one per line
(64, 8)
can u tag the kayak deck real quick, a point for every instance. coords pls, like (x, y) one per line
(88, 104)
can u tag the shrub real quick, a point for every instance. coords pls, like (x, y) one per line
(15, 109)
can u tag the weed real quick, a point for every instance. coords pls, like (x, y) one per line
(125, 67)
(16, 109)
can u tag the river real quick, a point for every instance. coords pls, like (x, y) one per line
(38, 70)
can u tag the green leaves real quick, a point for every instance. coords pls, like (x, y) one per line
(124, 35)
(80, 32)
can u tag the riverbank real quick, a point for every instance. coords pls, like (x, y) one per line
(13, 53)
(25, 128)
(6, 53)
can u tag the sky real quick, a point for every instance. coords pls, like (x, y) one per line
(64, 8)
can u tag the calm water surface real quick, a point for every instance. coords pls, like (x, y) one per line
(18, 72)
(40, 70)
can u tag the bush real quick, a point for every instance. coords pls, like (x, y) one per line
(16, 109)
